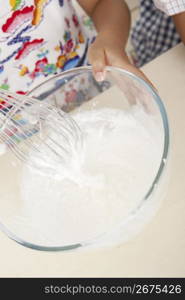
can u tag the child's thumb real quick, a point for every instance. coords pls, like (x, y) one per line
(96, 57)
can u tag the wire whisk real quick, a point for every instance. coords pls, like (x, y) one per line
(36, 130)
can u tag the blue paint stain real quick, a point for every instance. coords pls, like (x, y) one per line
(10, 56)
(19, 38)
(1, 69)
(71, 63)
(61, 2)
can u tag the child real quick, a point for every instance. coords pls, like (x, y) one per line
(161, 25)
(155, 31)
(40, 38)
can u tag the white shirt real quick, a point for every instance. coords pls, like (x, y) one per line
(38, 39)
(170, 7)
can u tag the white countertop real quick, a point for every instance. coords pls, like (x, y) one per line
(159, 250)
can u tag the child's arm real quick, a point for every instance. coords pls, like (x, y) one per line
(179, 21)
(112, 21)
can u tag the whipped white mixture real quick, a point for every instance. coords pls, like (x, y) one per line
(103, 182)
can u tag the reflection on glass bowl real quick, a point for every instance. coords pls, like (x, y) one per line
(116, 187)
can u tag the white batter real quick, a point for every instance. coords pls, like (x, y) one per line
(114, 170)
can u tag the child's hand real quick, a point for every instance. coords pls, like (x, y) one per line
(107, 50)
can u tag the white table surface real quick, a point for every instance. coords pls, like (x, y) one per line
(159, 250)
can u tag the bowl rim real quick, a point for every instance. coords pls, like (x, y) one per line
(154, 184)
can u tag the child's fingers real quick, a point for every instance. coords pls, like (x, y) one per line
(96, 57)
(122, 61)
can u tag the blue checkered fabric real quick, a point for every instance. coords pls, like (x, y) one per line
(153, 33)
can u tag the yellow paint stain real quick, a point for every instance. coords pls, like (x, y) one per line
(14, 4)
(61, 61)
(81, 38)
(57, 48)
(23, 71)
(72, 54)
(38, 11)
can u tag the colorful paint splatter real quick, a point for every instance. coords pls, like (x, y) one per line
(38, 38)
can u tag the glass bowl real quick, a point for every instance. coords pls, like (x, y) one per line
(50, 225)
